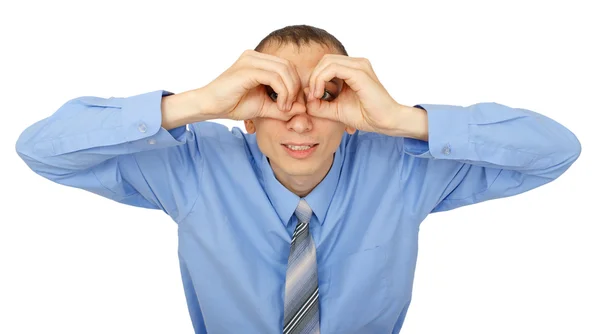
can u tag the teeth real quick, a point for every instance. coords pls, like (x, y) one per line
(298, 148)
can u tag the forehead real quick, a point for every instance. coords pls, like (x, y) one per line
(304, 57)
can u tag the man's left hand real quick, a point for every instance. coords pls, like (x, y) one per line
(361, 103)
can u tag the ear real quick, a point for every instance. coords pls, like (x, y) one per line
(350, 130)
(250, 128)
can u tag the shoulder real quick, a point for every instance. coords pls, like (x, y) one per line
(215, 138)
(371, 144)
(215, 132)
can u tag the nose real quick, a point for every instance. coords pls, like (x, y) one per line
(301, 121)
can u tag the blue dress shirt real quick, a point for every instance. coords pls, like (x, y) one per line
(235, 220)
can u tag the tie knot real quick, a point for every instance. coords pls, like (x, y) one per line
(303, 212)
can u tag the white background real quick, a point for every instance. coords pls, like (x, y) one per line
(73, 262)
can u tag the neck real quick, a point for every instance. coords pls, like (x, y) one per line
(302, 185)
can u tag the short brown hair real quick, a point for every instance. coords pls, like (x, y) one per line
(301, 35)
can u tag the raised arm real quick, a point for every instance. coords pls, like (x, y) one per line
(91, 143)
(138, 150)
(483, 151)
(455, 155)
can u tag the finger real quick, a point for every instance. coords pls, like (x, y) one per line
(351, 76)
(297, 86)
(356, 63)
(272, 79)
(283, 71)
(322, 109)
(333, 87)
(307, 95)
(287, 63)
(315, 107)
(272, 111)
(285, 68)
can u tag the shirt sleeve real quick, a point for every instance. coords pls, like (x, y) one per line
(487, 151)
(91, 142)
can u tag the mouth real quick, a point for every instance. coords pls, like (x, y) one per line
(300, 150)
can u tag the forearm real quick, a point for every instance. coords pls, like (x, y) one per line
(486, 151)
(89, 130)
(183, 108)
(495, 135)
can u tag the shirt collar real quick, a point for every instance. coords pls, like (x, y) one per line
(285, 202)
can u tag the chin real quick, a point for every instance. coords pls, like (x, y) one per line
(295, 168)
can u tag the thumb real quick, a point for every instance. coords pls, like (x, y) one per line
(271, 110)
(319, 108)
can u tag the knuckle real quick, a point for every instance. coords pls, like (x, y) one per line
(329, 67)
(366, 62)
(242, 60)
(275, 77)
(365, 75)
(281, 68)
(286, 63)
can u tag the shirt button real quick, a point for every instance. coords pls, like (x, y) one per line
(446, 150)
(151, 141)
(142, 127)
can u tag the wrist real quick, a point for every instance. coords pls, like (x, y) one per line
(184, 108)
(410, 122)
(201, 101)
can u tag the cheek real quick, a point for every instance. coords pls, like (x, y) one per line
(332, 133)
(268, 132)
(267, 126)
(332, 129)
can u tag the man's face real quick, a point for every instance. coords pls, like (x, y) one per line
(273, 136)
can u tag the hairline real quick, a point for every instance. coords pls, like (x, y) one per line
(278, 43)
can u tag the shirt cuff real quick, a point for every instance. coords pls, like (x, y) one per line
(142, 119)
(448, 128)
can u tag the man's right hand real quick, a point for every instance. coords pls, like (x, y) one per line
(256, 85)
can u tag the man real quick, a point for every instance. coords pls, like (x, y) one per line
(308, 222)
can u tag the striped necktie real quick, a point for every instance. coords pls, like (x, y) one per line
(301, 308)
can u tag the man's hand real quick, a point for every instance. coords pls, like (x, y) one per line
(362, 102)
(256, 85)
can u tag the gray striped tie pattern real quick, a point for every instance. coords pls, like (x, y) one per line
(301, 307)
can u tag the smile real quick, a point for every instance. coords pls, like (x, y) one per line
(300, 151)
(299, 148)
